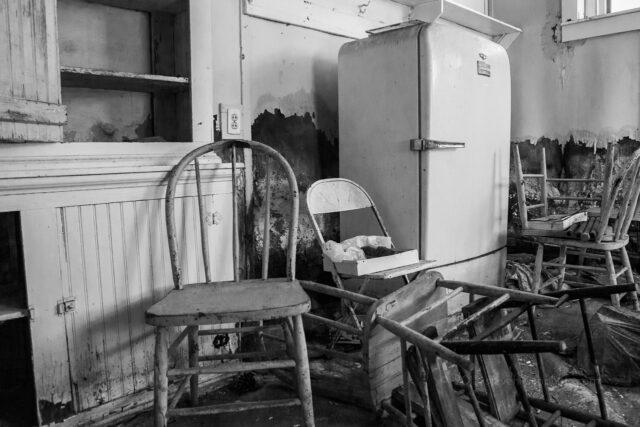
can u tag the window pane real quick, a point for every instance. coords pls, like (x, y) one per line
(619, 5)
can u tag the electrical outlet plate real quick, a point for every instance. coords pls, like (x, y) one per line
(231, 118)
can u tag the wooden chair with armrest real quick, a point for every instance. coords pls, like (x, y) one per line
(229, 303)
(598, 238)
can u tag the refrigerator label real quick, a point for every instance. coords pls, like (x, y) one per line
(484, 68)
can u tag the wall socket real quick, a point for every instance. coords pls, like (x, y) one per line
(231, 120)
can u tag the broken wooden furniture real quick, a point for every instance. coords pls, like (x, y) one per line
(390, 322)
(594, 239)
(581, 295)
(505, 396)
(228, 303)
(337, 195)
(436, 398)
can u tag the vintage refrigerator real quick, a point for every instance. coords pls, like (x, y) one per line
(424, 116)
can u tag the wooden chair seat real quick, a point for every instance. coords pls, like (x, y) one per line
(230, 302)
(576, 243)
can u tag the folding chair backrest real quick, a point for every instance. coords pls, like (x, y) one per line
(338, 195)
(192, 166)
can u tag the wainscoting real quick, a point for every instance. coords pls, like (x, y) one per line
(96, 256)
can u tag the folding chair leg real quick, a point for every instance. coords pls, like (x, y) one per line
(613, 281)
(194, 351)
(541, 371)
(537, 271)
(629, 273)
(161, 381)
(592, 357)
(302, 371)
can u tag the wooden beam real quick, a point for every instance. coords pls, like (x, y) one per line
(26, 111)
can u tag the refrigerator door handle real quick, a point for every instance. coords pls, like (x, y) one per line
(422, 144)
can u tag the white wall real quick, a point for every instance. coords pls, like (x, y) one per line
(587, 89)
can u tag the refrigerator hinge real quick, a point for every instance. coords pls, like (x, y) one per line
(422, 144)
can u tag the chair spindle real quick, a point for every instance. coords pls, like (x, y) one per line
(204, 235)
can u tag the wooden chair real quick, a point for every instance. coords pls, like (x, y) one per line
(228, 303)
(335, 195)
(604, 234)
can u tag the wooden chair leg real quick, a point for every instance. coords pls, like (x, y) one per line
(194, 351)
(302, 372)
(630, 279)
(537, 270)
(611, 270)
(161, 381)
(563, 260)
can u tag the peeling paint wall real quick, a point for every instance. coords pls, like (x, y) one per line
(588, 89)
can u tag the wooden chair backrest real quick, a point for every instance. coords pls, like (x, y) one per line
(338, 195)
(183, 172)
(625, 184)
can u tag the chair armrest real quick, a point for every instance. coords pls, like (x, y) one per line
(336, 292)
(593, 292)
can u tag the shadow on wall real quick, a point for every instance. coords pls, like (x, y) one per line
(573, 160)
(313, 156)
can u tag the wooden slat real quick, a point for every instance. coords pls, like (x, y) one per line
(475, 316)
(169, 6)
(399, 271)
(539, 205)
(495, 291)
(333, 324)
(340, 293)
(232, 407)
(430, 307)
(245, 355)
(233, 367)
(118, 80)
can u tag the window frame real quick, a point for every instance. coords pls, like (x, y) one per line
(573, 28)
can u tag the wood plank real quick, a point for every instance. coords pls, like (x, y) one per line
(121, 290)
(53, 62)
(169, 6)
(28, 111)
(5, 51)
(497, 377)
(119, 80)
(233, 407)
(138, 331)
(16, 49)
(97, 388)
(28, 50)
(111, 333)
(40, 234)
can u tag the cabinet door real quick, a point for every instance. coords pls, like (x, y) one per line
(30, 108)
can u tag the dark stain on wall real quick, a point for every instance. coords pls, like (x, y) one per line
(312, 156)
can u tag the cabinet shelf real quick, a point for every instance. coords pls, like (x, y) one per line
(117, 80)
(11, 309)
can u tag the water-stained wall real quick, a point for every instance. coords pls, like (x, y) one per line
(573, 98)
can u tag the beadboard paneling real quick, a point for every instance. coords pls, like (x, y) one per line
(115, 262)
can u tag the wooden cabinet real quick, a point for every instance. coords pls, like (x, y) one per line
(32, 86)
(30, 105)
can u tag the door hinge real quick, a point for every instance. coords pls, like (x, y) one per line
(422, 144)
(66, 305)
(31, 313)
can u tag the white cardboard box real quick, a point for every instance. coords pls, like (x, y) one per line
(373, 265)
